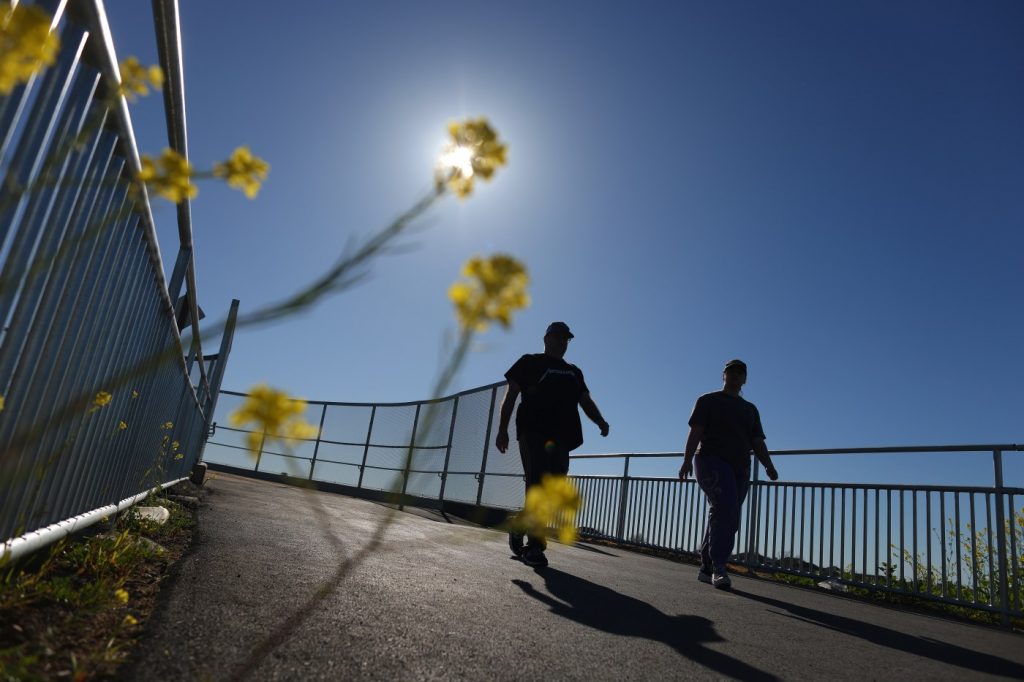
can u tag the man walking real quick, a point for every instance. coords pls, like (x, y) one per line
(548, 420)
(724, 428)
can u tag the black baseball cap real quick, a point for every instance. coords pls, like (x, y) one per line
(559, 329)
(735, 364)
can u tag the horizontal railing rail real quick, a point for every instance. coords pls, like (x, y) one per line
(883, 537)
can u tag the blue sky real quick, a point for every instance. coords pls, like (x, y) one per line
(830, 191)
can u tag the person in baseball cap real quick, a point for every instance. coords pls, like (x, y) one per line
(548, 424)
(724, 429)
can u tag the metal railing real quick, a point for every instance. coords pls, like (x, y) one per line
(83, 298)
(955, 544)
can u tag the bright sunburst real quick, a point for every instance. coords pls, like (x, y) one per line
(457, 158)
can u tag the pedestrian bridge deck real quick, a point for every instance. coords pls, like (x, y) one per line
(440, 600)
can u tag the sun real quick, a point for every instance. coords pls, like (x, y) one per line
(457, 158)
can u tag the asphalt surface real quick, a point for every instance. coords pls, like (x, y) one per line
(266, 593)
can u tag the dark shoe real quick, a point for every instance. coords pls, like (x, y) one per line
(721, 579)
(704, 575)
(534, 556)
(515, 543)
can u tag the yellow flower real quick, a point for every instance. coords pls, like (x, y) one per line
(175, 445)
(180, 455)
(102, 399)
(129, 620)
(554, 502)
(170, 176)
(135, 394)
(495, 288)
(122, 596)
(243, 171)
(167, 426)
(273, 413)
(121, 426)
(474, 150)
(136, 79)
(26, 43)
(1, 403)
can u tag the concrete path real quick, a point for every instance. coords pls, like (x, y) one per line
(438, 601)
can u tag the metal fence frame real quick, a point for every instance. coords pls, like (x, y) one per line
(670, 515)
(83, 297)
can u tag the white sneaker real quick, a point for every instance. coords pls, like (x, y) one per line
(721, 580)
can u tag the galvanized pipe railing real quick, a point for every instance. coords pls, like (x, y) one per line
(85, 301)
(868, 536)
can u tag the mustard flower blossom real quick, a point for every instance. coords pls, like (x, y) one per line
(122, 425)
(26, 43)
(179, 456)
(273, 413)
(122, 595)
(243, 171)
(167, 426)
(102, 399)
(552, 503)
(1, 403)
(170, 176)
(494, 289)
(135, 394)
(137, 79)
(130, 620)
(474, 150)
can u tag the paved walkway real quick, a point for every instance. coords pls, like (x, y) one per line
(438, 601)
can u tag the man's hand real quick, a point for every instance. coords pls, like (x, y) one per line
(604, 428)
(772, 473)
(501, 441)
(686, 469)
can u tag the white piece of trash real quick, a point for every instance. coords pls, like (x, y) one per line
(158, 515)
(832, 584)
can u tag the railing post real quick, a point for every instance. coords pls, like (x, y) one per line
(1004, 602)
(316, 448)
(623, 498)
(408, 459)
(487, 443)
(366, 448)
(754, 518)
(448, 451)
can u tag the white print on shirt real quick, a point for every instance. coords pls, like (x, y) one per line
(556, 371)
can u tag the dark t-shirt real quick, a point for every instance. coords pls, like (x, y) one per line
(730, 426)
(551, 392)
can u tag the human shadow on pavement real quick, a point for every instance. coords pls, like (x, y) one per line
(944, 652)
(605, 609)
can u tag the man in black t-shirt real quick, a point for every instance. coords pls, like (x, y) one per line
(724, 428)
(548, 420)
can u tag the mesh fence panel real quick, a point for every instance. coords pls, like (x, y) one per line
(393, 424)
(345, 423)
(470, 434)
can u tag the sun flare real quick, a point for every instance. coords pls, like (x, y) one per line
(457, 158)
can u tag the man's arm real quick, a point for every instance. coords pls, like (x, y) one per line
(508, 403)
(692, 441)
(590, 409)
(761, 450)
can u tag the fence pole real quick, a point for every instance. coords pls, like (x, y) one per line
(366, 449)
(319, 433)
(623, 497)
(487, 443)
(1004, 603)
(448, 451)
(754, 521)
